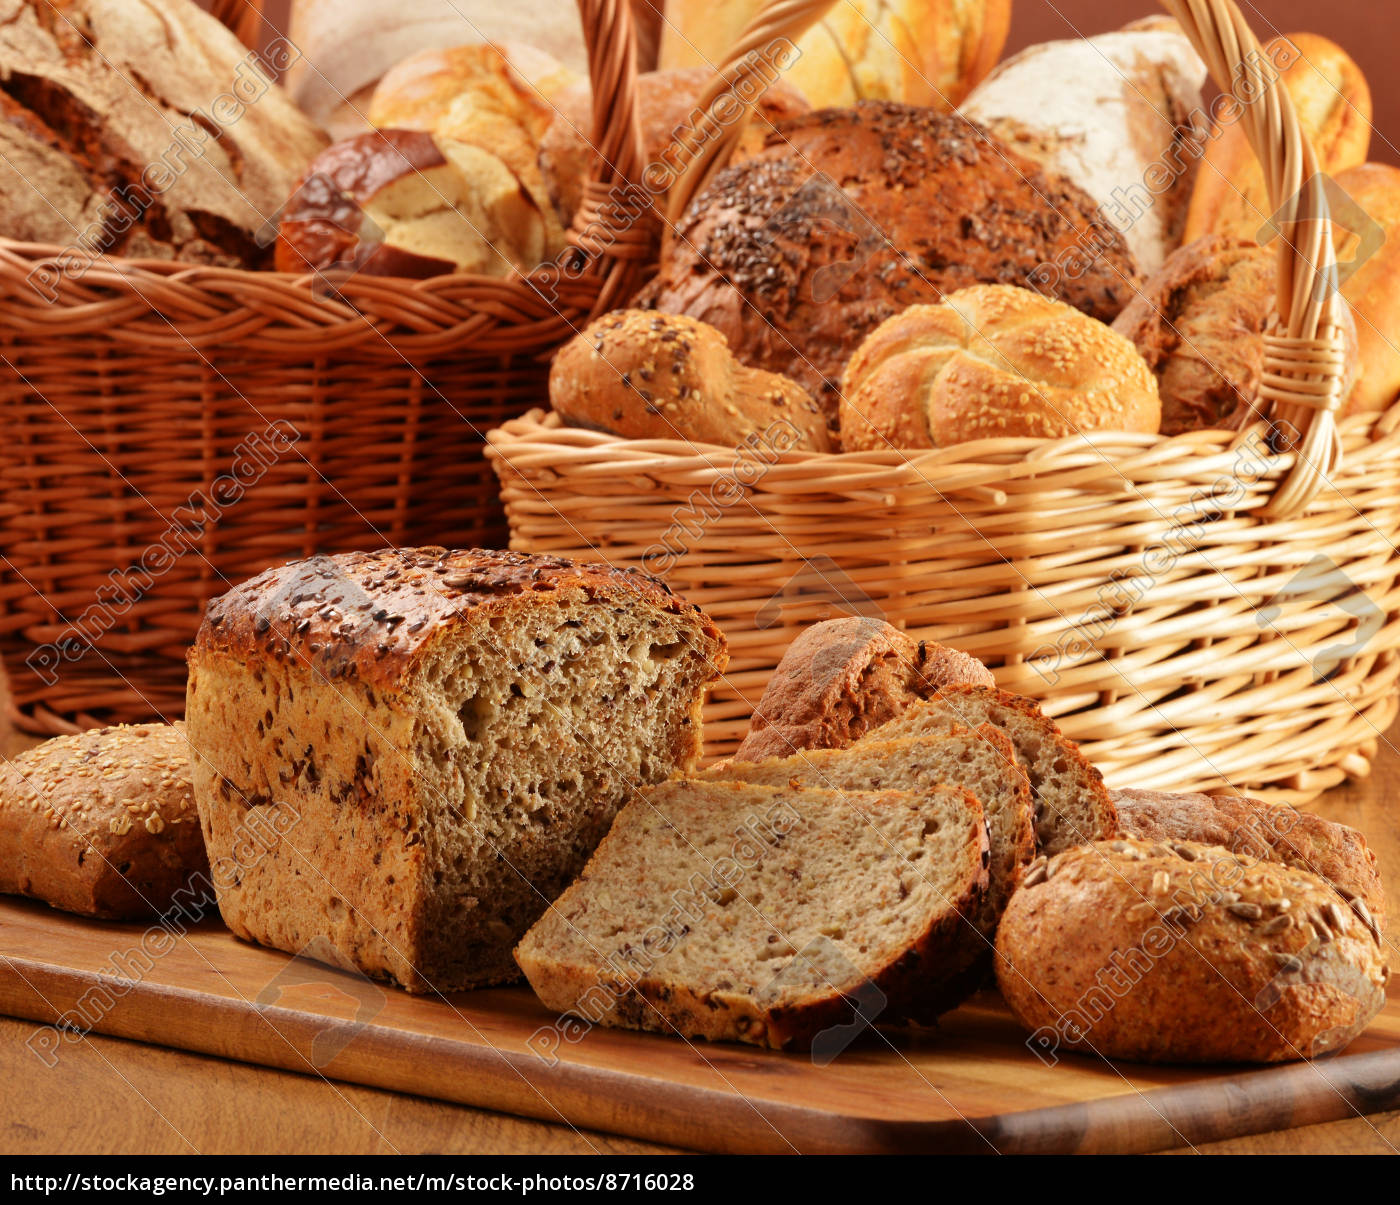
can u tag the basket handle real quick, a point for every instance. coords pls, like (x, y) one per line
(1304, 351)
(763, 49)
(244, 17)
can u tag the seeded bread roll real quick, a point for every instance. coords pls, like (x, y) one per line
(1333, 103)
(1186, 953)
(1267, 831)
(1072, 805)
(847, 216)
(845, 677)
(103, 822)
(991, 361)
(440, 738)
(644, 375)
(1199, 323)
(984, 764)
(762, 915)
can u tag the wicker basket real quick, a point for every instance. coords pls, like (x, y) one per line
(132, 403)
(1218, 609)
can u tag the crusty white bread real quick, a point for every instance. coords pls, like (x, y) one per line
(1072, 805)
(758, 914)
(992, 361)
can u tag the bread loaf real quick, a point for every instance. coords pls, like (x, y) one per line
(103, 822)
(795, 270)
(498, 99)
(923, 52)
(645, 375)
(1111, 113)
(665, 105)
(992, 361)
(1266, 831)
(1200, 322)
(1369, 285)
(842, 678)
(1186, 953)
(984, 764)
(396, 203)
(1072, 805)
(760, 914)
(1333, 102)
(440, 738)
(143, 128)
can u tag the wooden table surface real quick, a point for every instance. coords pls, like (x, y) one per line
(109, 1096)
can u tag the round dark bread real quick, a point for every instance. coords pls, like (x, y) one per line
(1272, 832)
(102, 822)
(1186, 953)
(796, 270)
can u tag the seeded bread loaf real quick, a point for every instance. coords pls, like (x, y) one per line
(1072, 805)
(1271, 832)
(983, 763)
(441, 739)
(1186, 953)
(102, 822)
(761, 914)
(644, 375)
(844, 677)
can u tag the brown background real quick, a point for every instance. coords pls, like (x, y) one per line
(1368, 29)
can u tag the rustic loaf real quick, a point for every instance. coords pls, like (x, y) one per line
(440, 737)
(1111, 113)
(1199, 323)
(103, 822)
(992, 361)
(143, 128)
(1271, 832)
(1333, 103)
(924, 52)
(645, 375)
(847, 216)
(1180, 952)
(984, 764)
(842, 678)
(1072, 805)
(761, 914)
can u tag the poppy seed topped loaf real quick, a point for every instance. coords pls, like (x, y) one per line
(437, 740)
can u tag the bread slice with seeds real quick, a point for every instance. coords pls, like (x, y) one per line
(768, 915)
(982, 762)
(1072, 805)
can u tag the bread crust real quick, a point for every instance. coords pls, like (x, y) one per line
(795, 271)
(842, 678)
(1184, 952)
(1370, 288)
(103, 822)
(644, 375)
(1270, 832)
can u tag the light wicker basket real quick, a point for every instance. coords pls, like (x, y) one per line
(132, 393)
(1219, 609)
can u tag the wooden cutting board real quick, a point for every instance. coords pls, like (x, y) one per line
(971, 1086)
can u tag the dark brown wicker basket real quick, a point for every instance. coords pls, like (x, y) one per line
(170, 430)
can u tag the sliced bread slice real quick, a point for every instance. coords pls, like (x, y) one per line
(760, 914)
(1072, 805)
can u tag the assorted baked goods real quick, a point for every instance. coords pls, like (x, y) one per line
(1113, 113)
(761, 914)
(399, 203)
(1186, 953)
(646, 375)
(795, 270)
(187, 165)
(448, 734)
(923, 52)
(103, 823)
(992, 361)
(1333, 102)
(841, 679)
